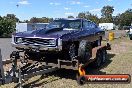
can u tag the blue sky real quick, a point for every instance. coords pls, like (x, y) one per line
(59, 8)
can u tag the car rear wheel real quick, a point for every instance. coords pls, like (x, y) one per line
(98, 61)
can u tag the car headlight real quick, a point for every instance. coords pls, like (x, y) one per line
(59, 42)
(19, 40)
(52, 42)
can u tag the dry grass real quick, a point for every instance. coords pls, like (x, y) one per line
(119, 62)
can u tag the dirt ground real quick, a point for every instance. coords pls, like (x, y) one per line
(119, 62)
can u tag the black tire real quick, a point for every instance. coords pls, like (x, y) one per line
(84, 51)
(130, 38)
(97, 63)
(104, 55)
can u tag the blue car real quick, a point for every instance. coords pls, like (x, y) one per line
(66, 38)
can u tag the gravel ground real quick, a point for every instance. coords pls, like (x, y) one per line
(119, 62)
(6, 48)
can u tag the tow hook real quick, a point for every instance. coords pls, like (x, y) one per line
(81, 71)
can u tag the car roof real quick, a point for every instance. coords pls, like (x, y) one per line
(71, 19)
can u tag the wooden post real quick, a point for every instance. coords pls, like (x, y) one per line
(1, 68)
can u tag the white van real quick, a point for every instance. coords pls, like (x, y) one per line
(130, 33)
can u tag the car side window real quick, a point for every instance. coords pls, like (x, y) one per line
(86, 25)
(75, 25)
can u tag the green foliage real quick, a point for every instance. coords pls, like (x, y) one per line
(89, 16)
(70, 16)
(106, 20)
(82, 15)
(40, 20)
(126, 18)
(13, 17)
(7, 26)
(107, 12)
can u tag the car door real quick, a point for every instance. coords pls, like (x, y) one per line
(97, 31)
(89, 30)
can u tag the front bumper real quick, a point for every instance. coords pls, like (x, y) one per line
(37, 47)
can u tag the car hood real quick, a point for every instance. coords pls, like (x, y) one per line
(47, 33)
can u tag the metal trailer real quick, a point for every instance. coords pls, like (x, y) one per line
(19, 72)
(29, 68)
(1, 69)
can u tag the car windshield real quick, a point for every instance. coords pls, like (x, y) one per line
(66, 24)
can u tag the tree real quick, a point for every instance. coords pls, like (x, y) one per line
(0, 17)
(125, 19)
(70, 16)
(40, 20)
(7, 26)
(116, 19)
(106, 20)
(92, 17)
(34, 20)
(13, 17)
(25, 21)
(107, 12)
(89, 16)
(82, 15)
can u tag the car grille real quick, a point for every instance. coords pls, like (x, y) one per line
(36, 41)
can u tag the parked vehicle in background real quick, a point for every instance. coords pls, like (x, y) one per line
(106, 26)
(127, 28)
(130, 33)
(21, 27)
